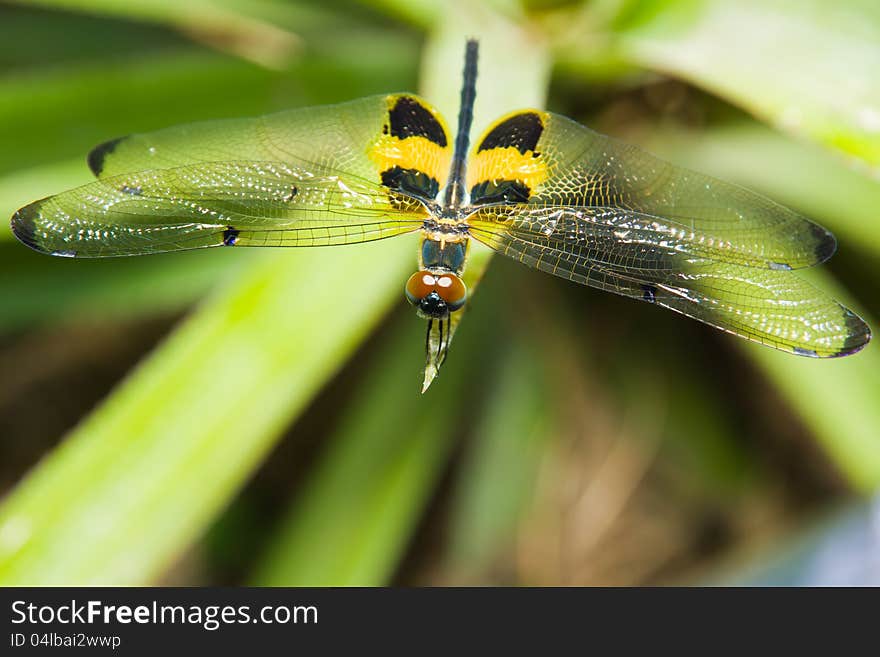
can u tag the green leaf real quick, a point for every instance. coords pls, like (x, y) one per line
(100, 102)
(42, 290)
(807, 66)
(224, 26)
(422, 13)
(500, 467)
(355, 515)
(34, 38)
(142, 477)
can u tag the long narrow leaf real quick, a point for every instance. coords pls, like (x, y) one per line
(143, 476)
(352, 520)
(823, 79)
(221, 25)
(500, 468)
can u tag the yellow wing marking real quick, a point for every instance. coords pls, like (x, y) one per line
(416, 153)
(507, 163)
(508, 151)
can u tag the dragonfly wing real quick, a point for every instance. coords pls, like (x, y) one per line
(772, 307)
(337, 174)
(547, 160)
(342, 137)
(213, 204)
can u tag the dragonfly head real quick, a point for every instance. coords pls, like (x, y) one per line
(435, 294)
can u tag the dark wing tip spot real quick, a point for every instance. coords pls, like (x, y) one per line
(858, 334)
(649, 293)
(99, 153)
(24, 226)
(826, 244)
(800, 351)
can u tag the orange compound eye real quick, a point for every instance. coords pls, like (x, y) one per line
(420, 285)
(452, 290)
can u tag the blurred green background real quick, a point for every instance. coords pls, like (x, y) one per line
(248, 417)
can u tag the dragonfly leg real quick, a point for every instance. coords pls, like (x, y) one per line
(446, 346)
(428, 341)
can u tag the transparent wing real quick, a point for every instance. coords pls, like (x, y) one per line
(341, 138)
(564, 199)
(549, 161)
(773, 307)
(213, 204)
(336, 174)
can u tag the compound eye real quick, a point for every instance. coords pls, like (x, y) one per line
(452, 290)
(420, 285)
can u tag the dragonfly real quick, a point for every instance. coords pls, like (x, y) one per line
(537, 187)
